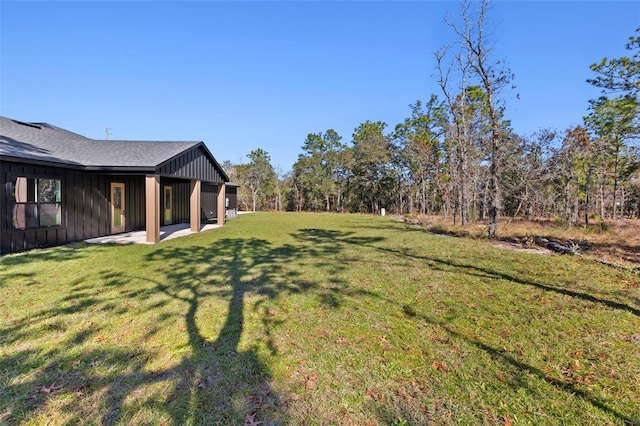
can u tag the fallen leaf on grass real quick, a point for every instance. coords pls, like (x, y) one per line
(373, 394)
(418, 386)
(254, 400)
(52, 388)
(507, 420)
(343, 341)
(249, 420)
(437, 365)
(437, 339)
(310, 381)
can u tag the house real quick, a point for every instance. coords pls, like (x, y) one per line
(57, 187)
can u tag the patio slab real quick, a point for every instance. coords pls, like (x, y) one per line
(140, 237)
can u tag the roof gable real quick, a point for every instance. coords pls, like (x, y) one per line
(195, 163)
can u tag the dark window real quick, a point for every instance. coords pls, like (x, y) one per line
(36, 203)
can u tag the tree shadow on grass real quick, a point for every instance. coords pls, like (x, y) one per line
(56, 254)
(213, 379)
(390, 413)
(519, 368)
(449, 264)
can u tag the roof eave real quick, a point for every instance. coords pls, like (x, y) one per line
(42, 162)
(119, 169)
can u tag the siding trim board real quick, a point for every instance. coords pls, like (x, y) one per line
(197, 179)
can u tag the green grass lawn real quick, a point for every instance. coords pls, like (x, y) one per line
(316, 319)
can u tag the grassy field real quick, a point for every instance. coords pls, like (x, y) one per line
(316, 319)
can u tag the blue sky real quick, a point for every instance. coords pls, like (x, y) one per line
(247, 75)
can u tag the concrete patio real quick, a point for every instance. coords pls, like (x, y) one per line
(140, 237)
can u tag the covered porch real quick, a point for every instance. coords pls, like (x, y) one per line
(155, 203)
(140, 237)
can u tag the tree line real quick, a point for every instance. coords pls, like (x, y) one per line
(457, 155)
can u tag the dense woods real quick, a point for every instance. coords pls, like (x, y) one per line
(456, 154)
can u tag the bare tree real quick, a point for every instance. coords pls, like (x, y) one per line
(493, 77)
(458, 139)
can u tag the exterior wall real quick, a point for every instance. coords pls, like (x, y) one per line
(85, 199)
(209, 203)
(85, 206)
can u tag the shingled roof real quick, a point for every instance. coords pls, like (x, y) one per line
(42, 142)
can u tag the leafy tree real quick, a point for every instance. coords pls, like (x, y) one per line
(259, 176)
(620, 75)
(317, 171)
(282, 188)
(421, 150)
(616, 120)
(372, 176)
(571, 168)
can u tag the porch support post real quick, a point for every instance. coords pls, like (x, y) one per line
(194, 209)
(222, 203)
(152, 195)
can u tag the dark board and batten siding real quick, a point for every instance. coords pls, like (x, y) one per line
(181, 200)
(85, 206)
(232, 195)
(192, 164)
(209, 202)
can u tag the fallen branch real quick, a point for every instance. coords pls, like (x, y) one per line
(635, 270)
(568, 247)
(573, 248)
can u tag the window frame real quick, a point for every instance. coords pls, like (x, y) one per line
(36, 203)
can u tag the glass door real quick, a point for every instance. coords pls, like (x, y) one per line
(168, 205)
(117, 208)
